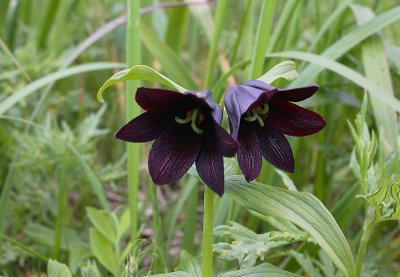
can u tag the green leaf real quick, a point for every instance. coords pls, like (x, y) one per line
(168, 59)
(285, 70)
(303, 209)
(102, 249)
(123, 224)
(385, 202)
(138, 72)
(189, 264)
(56, 269)
(101, 221)
(344, 71)
(247, 247)
(17, 96)
(377, 70)
(341, 46)
(77, 254)
(259, 271)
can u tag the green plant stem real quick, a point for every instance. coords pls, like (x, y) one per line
(367, 230)
(208, 233)
(132, 110)
(262, 38)
(61, 203)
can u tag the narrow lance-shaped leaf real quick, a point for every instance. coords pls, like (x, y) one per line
(301, 208)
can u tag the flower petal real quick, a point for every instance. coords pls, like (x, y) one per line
(294, 120)
(297, 94)
(239, 99)
(153, 99)
(173, 153)
(249, 154)
(275, 148)
(225, 142)
(146, 127)
(210, 166)
(206, 100)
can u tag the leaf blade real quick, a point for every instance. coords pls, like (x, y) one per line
(301, 208)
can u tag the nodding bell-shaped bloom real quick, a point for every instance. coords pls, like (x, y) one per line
(187, 129)
(260, 115)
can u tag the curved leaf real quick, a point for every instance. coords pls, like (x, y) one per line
(286, 70)
(301, 208)
(344, 71)
(138, 72)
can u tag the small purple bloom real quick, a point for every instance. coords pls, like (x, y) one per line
(260, 115)
(187, 129)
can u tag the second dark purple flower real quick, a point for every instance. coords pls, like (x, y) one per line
(260, 115)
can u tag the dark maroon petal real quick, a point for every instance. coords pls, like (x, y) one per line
(294, 120)
(249, 154)
(297, 94)
(275, 148)
(210, 166)
(153, 99)
(225, 142)
(239, 99)
(173, 153)
(146, 127)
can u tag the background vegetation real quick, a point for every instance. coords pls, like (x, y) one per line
(61, 170)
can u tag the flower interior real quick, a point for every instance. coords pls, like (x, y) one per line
(257, 113)
(196, 117)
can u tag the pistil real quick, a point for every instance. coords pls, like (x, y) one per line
(254, 114)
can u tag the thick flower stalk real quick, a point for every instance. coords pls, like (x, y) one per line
(187, 129)
(260, 115)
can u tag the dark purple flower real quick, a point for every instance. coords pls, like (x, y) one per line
(260, 115)
(186, 129)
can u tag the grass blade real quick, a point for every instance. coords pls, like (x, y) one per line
(10, 101)
(377, 70)
(346, 72)
(340, 47)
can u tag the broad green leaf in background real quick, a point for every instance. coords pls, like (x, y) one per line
(168, 59)
(285, 70)
(344, 71)
(138, 72)
(56, 269)
(17, 96)
(303, 209)
(376, 67)
(262, 270)
(103, 250)
(101, 220)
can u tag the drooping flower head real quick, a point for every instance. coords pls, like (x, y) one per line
(260, 115)
(186, 129)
